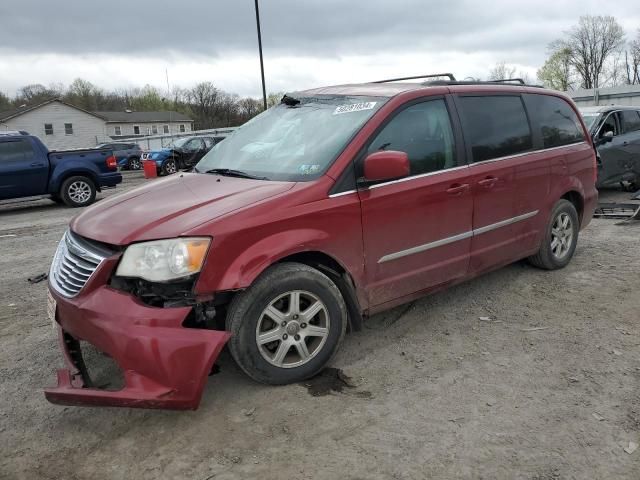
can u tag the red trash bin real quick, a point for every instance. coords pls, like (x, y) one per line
(150, 169)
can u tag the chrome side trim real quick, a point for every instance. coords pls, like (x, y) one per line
(456, 238)
(414, 177)
(503, 223)
(426, 246)
(333, 195)
(530, 152)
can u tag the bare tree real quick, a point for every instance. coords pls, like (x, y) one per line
(5, 103)
(501, 71)
(632, 62)
(556, 73)
(592, 43)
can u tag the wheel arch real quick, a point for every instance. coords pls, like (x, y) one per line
(577, 200)
(75, 173)
(339, 275)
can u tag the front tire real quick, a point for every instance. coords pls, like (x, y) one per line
(288, 325)
(134, 164)
(169, 166)
(78, 191)
(560, 239)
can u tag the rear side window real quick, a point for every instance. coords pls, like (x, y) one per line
(15, 151)
(631, 120)
(424, 132)
(495, 126)
(559, 123)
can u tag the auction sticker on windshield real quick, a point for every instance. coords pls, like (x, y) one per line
(354, 107)
(51, 309)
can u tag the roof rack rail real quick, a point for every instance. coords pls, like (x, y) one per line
(506, 80)
(436, 75)
(13, 132)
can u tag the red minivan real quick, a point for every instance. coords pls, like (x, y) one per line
(337, 203)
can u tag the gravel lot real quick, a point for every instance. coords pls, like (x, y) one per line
(547, 388)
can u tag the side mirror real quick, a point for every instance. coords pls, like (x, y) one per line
(605, 138)
(386, 165)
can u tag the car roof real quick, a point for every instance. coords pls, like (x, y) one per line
(391, 89)
(606, 108)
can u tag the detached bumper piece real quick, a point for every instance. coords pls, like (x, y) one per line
(122, 353)
(628, 211)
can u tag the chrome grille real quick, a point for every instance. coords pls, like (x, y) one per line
(73, 264)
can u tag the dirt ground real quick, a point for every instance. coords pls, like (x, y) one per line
(548, 387)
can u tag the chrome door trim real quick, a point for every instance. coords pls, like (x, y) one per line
(414, 177)
(426, 246)
(504, 223)
(456, 238)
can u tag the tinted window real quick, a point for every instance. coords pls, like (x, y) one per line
(631, 120)
(559, 123)
(424, 132)
(495, 126)
(15, 151)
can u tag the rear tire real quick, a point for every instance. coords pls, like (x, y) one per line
(78, 191)
(287, 325)
(560, 237)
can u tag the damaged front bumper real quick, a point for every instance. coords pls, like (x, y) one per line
(164, 364)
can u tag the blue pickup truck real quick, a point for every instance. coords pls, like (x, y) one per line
(28, 169)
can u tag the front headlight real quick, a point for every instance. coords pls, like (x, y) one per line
(164, 260)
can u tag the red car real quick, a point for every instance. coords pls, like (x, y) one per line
(338, 203)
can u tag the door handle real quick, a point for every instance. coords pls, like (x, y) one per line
(625, 143)
(37, 164)
(488, 182)
(457, 188)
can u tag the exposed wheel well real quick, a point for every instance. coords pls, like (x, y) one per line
(577, 200)
(340, 276)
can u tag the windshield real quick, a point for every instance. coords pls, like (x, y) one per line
(294, 141)
(590, 119)
(179, 143)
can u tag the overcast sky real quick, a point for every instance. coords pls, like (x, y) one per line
(306, 43)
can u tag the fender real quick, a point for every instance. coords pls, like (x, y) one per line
(68, 169)
(242, 270)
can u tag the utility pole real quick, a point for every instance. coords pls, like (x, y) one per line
(264, 90)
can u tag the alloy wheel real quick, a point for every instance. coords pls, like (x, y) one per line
(79, 192)
(292, 329)
(561, 236)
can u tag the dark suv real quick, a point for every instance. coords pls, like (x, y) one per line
(127, 154)
(616, 134)
(336, 204)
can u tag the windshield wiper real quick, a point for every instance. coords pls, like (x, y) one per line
(228, 172)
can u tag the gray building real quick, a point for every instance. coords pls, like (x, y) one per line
(61, 125)
(628, 95)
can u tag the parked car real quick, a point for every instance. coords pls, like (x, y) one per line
(182, 153)
(28, 169)
(616, 135)
(127, 155)
(368, 196)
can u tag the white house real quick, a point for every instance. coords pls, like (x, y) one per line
(61, 125)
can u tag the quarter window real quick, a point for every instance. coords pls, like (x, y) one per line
(68, 129)
(15, 151)
(424, 132)
(495, 126)
(559, 124)
(631, 120)
(48, 128)
(117, 130)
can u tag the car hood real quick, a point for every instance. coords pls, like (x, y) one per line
(163, 152)
(170, 207)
